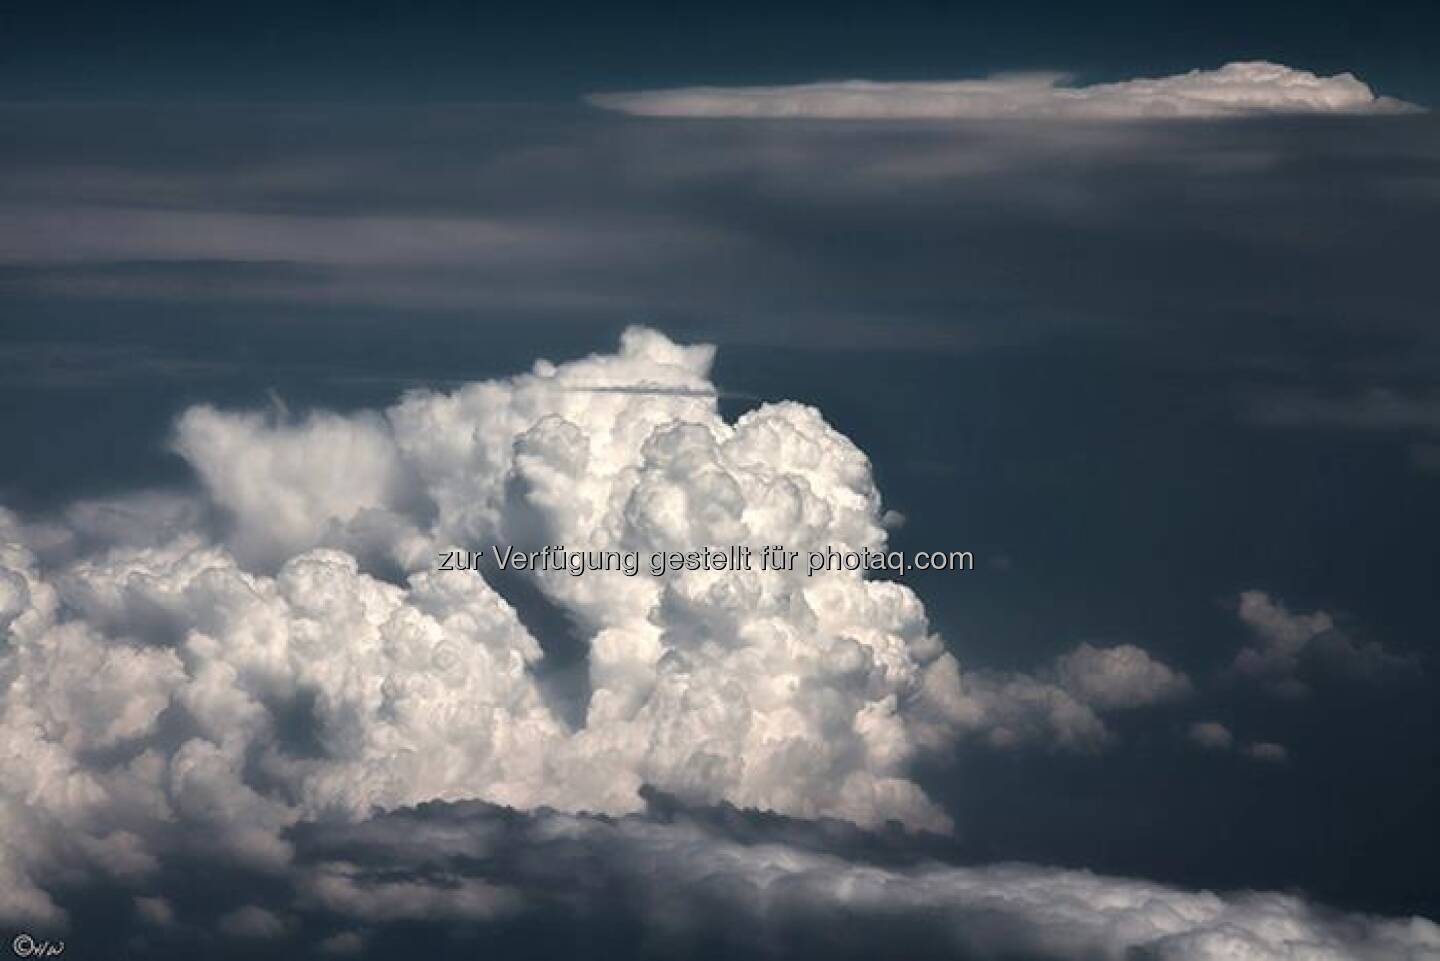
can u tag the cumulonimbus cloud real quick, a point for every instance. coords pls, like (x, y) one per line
(169, 690)
(174, 693)
(1236, 89)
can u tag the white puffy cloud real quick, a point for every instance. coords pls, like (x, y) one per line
(1010, 710)
(327, 480)
(1236, 89)
(170, 694)
(1123, 676)
(178, 694)
(1061, 704)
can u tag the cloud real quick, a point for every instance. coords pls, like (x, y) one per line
(1063, 703)
(245, 696)
(288, 486)
(1013, 710)
(1211, 735)
(1378, 409)
(253, 922)
(744, 885)
(88, 233)
(1119, 677)
(1291, 648)
(345, 890)
(577, 217)
(1267, 751)
(1236, 89)
(1282, 638)
(343, 943)
(176, 693)
(156, 911)
(676, 880)
(1214, 736)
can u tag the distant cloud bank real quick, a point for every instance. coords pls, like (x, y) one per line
(1236, 89)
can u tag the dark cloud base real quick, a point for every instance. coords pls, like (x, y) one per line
(582, 897)
(596, 887)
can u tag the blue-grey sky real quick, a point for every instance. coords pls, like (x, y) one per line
(1174, 380)
(553, 51)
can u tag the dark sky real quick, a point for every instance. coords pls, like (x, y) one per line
(1139, 368)
(1099, 389)
(552, 51)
